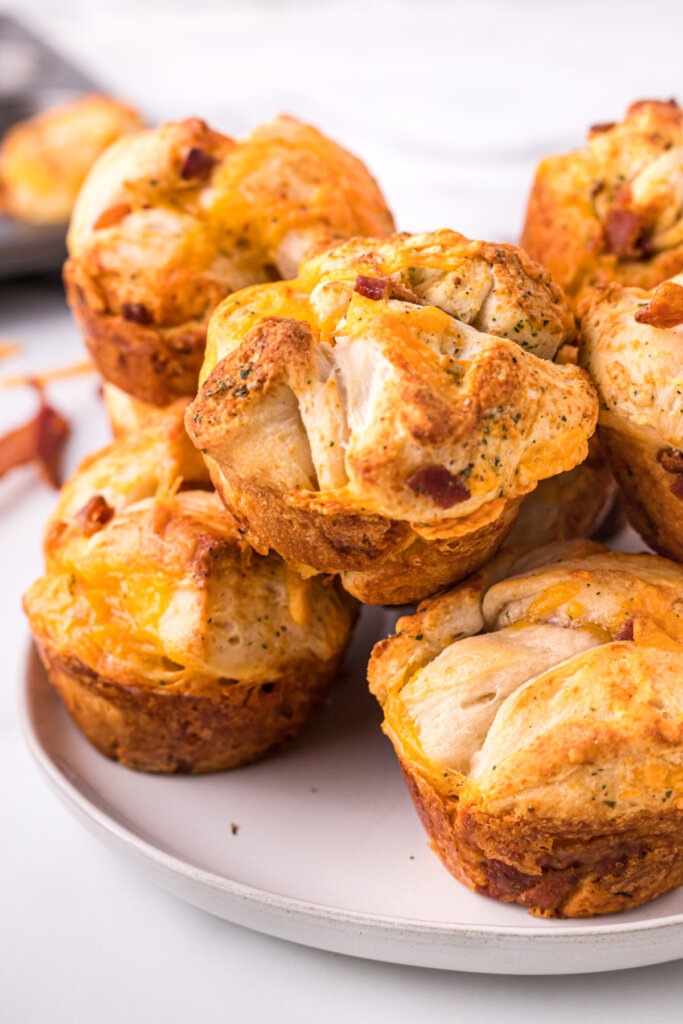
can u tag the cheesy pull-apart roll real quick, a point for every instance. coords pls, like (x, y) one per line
(171, 221)
(173, 645)
(537, 712)
(44, 160)
(632, 346)
(383, 415)
(614, 209)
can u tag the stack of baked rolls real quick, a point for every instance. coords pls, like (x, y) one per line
(382, 415)
(355, 414)
(175, 646)
(537, 712)
(172, 220)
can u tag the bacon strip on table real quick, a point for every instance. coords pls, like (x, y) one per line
(40, 440)
(665, 308)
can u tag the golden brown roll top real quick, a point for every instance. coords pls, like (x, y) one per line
(175, 219)
(538, 718)
(632, 346)
(174, 646)
(614, 209)
(397, 395)
(155, 458)
(44, 160)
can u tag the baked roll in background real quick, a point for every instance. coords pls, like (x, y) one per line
(383, 415)
(612, 210)
(632, 346)
(173, 645)
(171, 221)
(44, 160)
(537, 712)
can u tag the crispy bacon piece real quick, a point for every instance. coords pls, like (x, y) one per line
(622, 230)
(95, 514)
(41, 440)
(625, 631)
(112, 215)
(665, 308)
(405, 294)
(372, 287)
(671, 460)
(136, 313)
(676, 488)
(196, 164)
(439, 484)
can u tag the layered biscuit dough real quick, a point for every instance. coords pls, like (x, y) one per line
(172, 220)
(383, 415)
(613, 210)
(632, 346)
(537, 711)
(174, 646)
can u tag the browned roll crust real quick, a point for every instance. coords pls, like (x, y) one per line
(189, 732)
(382, 415)
(173, 645)
(538, 719)
(152, 366)
(44, 160)
(404, 576)
(611, 211)
(578, 874)
(632, 347)
(173, 220)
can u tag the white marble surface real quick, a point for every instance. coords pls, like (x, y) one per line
(450, 104)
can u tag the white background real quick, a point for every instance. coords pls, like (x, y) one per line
(451, 105)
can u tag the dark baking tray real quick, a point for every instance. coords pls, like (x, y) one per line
(32, 78)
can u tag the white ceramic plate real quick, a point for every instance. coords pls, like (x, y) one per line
(326, 849)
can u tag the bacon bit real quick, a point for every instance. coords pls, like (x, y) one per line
(676, 488)
(439, 484)
(671, 460)
(597, 188)
(136, 313)
(400, 291)
(95, 514)
(602, 126)
(41, 439)
(196, 164)
(622, 230)
(38, 380)
(665, 308)
(625, 631)
(372, 287)
(112, 215)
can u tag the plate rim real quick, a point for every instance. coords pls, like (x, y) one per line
(209, 880)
